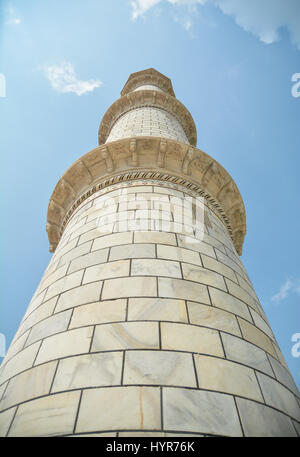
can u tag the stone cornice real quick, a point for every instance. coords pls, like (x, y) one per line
(147, 158)
(142, 98)
(149, 76)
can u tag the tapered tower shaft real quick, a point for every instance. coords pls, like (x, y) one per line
(145, 321)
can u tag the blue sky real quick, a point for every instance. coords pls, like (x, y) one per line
(231, 63)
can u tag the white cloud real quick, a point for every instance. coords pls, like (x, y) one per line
(262, 18)
(13, 21)
(287, 287)
(283, 291)
(63, 79)
(187, 2)
(11, 17)
(140, 7)
(187, 24)
(185, 16)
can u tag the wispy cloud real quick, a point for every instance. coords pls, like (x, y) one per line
(63, 79)
(13, 21)
(288, 286)
(184, 11)
(185, 21)
(262, 18)
(12, 17)
(187, 24)
(140, 7)
(283, 291)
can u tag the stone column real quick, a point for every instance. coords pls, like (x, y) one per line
(145, 322)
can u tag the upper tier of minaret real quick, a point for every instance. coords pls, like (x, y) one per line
(148, 107)
(147, 132)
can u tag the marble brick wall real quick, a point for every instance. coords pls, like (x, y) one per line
(147, 121)
(146, 323)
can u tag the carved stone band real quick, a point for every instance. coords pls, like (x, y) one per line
(152, 158)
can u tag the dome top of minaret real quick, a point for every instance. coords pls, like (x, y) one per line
(148, 77)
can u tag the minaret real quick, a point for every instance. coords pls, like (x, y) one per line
(145, 322)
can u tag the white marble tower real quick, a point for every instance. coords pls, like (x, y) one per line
(145, 322)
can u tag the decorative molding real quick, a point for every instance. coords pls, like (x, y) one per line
(163, 146)
(114, 163)
(134, 156)
(187, 160)
(145, 177)
(144, 98)
(149, 76)
(108, 160)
